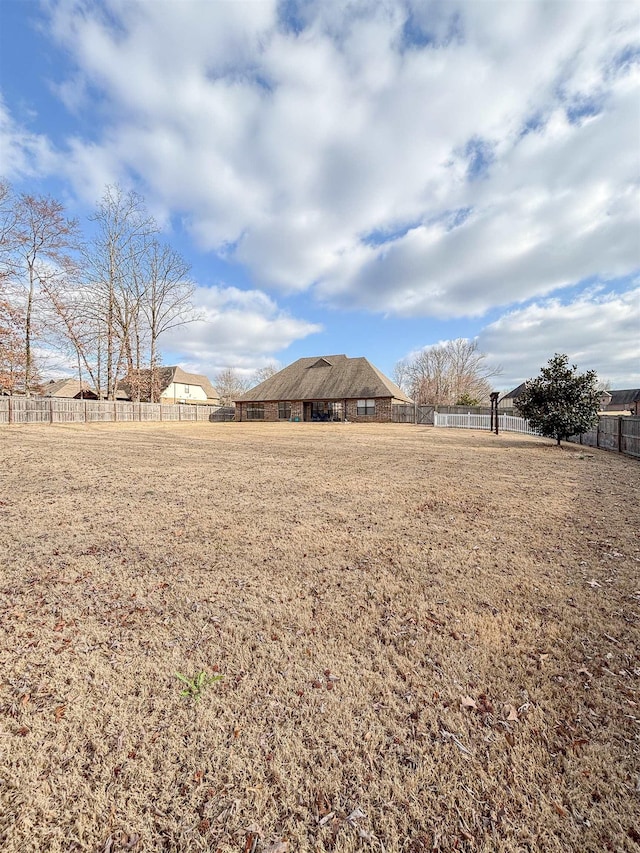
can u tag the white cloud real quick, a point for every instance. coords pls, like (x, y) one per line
(598, 331)
(296, 149)
(239, 328)
(22, 152)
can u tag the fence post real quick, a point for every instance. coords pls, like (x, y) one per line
(50, 410)
(598, 434)
(620, 434)
(85, 412)
(179, 412)
(10, 410)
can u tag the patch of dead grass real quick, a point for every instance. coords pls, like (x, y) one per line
(429, 640)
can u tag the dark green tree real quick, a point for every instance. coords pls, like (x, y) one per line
(560, 402)
(467, 400)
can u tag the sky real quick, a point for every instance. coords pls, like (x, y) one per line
(367, 177)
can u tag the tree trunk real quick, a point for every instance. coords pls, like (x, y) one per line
(28, 357)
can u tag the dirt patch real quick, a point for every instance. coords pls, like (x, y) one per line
(429, 640)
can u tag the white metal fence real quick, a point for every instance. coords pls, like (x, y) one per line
(506, 423)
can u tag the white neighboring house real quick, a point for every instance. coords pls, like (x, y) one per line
(178, 386)
(183, 387)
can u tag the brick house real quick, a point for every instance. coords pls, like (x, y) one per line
(322, 388)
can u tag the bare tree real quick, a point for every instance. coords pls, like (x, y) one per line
(445, 373)
(70, 327)
(230, 385)
(266, 372)
(39, 242)
(8, 233)
(401, 376)
(124, 229)
(165, 301)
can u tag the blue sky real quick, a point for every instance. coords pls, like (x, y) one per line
(368, 178)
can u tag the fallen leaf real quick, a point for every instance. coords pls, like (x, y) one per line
(277, 847)
(356, 814)
(584, 671)
(560, 810)
(511, 712)
(467, 702)
(59, 712)
(593, 583)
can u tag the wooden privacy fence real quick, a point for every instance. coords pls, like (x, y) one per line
(409, 414)
(52, 410)
(620, 433)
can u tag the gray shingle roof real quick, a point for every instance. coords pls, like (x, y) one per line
(623, 398)
(515, 393)
(327, 377)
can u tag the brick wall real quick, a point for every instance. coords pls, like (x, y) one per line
(382, 415)
(270, 411)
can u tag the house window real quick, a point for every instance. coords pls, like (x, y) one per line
(255, 411)
(284, 411)
(186, 390)
(366, 407)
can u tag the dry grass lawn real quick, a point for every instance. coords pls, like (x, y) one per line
(429, 640)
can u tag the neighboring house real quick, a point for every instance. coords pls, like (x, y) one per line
(70, 389)
(612, 402)
(176, 386)
(322, 388)
(509, 400)
(624, 401)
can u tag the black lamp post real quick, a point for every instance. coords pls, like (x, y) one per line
(494, 411)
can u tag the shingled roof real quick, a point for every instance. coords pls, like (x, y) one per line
(513, 395)
(325, 377)
(623, 398)
(67, 388)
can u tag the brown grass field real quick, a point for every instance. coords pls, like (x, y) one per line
(429, 640)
